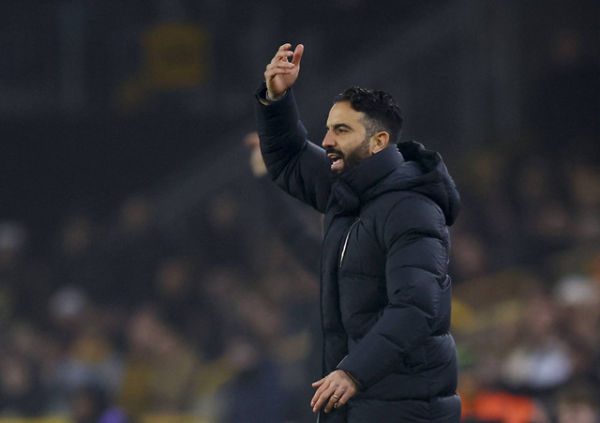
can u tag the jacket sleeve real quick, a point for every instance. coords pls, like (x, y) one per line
(299, 167)
(414, 234)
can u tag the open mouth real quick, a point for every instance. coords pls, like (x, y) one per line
(337, 162)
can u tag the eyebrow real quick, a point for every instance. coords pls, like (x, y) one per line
(340, 125)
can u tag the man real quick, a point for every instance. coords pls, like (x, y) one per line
(385, 293)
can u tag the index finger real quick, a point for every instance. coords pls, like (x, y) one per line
(282, 56)
(285, 46)
(318, 383)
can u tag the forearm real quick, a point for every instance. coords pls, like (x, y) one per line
(298, 166)
(380, 352)
(280, 131)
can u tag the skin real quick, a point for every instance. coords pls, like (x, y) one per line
(348, 142)
(281, 74)
(347, 137)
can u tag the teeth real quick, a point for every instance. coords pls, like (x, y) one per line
(335, 163)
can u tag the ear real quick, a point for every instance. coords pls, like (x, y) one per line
(379, 141)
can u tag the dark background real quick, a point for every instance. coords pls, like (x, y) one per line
(125, 188)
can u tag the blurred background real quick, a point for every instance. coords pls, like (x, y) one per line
(149, 273)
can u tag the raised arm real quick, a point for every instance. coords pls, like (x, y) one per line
(301, 168)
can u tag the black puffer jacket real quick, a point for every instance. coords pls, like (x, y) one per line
(385, 292)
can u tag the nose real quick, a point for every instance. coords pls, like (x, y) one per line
(328, 140)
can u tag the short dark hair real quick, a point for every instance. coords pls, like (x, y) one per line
(380, 108)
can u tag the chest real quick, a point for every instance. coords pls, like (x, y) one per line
(352, 246)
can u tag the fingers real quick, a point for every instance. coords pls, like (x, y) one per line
(330, 397)
(281, 65)
(321, 399)
(317, 396)
(279, 68)
(318, 383)
(345, 397)
(284, 53)
(298, 54)
(332, 403)
(333, 391)
(324, 395)
(282, 56)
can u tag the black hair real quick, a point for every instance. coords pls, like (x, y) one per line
(382, 112)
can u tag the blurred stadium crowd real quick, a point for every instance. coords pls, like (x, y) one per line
(153, 324)
(120, 318)
(220, 320)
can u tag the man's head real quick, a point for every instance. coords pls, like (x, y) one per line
(361, 123)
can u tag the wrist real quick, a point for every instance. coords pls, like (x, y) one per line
(274, 97)
(352, 378)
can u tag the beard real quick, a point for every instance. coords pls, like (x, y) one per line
(352, 158)
(356, 156)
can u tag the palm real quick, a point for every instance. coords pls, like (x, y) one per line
(282, 82)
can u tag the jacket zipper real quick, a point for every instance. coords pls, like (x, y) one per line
(346, 241)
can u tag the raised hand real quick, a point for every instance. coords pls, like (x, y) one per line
(281, 73)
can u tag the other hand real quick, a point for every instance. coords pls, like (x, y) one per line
(257, 163)
(333, 391)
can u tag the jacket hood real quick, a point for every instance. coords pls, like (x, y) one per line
(410, 167)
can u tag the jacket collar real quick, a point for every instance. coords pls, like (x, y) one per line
(353, 187)
(373, 169)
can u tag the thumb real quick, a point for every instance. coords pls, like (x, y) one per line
(298, 52)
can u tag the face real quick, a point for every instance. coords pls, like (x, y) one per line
(346, 141)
